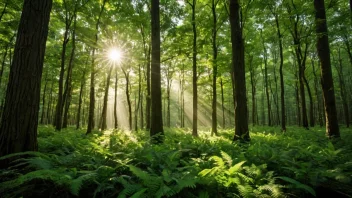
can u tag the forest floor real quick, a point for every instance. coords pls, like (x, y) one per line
(298, 163)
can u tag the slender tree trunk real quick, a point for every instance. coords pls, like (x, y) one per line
(282, 85)
(148, 98)
(127, 77)
(48, 109)
(222, 103)
(156, 128)
(266, 80)
(301, 69)
(92, 76)
(214, 129)
(168, 117)
(18, 131)
(332, 127)
(194, 68)
(343, 90)
(311, 104)
(115, 102)
(241, 118)
(105, 103)
(140, 101)
(298, 104)
(59, 105)
(80, 100)
(43, 99)
(67, 106)
(251, 72)
(68, 85)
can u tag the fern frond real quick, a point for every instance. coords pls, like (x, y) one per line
(227, 158)
(218, 161)
(76, 184)
(236, 167)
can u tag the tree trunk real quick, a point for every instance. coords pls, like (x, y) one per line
(298, 104)
(67, 106)
(48, 109)
(18, 131)
(194, 68)
(317, 95)
(311, 104)
(59, 105)
(115, 102)
(241, 118)
(168, 117)
(92, 76)
(251, 72)
(148, 98)
(127, 77)
(80, 100)
(266, 83)
(332, 127)
(343, 90)
(43, 99)
(105, 103)
(68, 85)
(282, 85)
(156, 127)
(222, 103)
(214, 129)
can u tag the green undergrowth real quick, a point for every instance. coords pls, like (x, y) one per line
(298, 163)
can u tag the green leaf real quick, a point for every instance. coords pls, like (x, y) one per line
(298, 185)
(236, 167)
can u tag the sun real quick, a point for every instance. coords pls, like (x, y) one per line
(115, 55)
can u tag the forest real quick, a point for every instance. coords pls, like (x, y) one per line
(175, 98)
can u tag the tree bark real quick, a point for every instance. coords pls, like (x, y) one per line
(253, 84)
(105, 103)
(311, 104)
(156, 127)
(18, 131)
(214, 129)
(282, 85)
(266, 83)
(92, 76)
(115, 102)
(222, 102)
(332, 127)
(43, 99)
(148, 98)
(194, 70)
(318, 96)
(241, 118)
(127, 91)
(78, 121)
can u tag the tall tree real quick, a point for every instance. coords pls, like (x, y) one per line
(194, 68)
(241, 118)
(18, 131)
(156, 127)
(105, 102)
(332, 127)
(274, 12)
(92, 75)
(214, 123)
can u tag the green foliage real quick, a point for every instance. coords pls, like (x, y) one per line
(124, 164)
